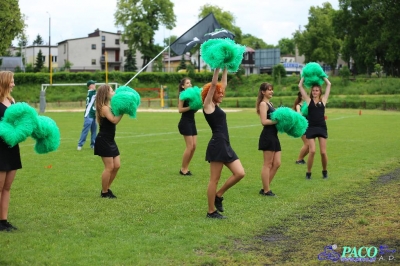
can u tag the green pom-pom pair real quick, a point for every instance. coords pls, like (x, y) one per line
(222, 53)
(193, 96)
(313, 74)
(21, 121)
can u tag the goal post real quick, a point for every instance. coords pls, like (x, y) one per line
(44, 87)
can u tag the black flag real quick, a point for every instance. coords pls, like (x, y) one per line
(195, 34)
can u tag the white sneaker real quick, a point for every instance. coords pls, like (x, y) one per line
(79, 148)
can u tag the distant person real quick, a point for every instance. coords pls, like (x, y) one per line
(10, 159)
(298, 103)
(89, 116)
(219, 151)
(268, 141)
(187, 128)
(316, 124)
(105, 145)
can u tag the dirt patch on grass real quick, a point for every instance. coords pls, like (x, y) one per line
(367, 217)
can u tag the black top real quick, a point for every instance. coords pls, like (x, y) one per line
(217, 122)
(106, 127)
(188, 114)
(316, 114)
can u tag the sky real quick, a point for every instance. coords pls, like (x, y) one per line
(269, 20)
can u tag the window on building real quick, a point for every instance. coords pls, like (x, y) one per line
(54, 58)
(93, 61)
(246, 56)
(116, 41)
(103, 38)
(44, 58)
(93, 46)
(65, 48)
(126, 52)
(103, 45)
(125, 41)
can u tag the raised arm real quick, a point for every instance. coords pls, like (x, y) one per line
(208, 104)
(106, 112)
(327, 91)
(303, 91)
(224, 79)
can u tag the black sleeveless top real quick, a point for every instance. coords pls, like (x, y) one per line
(106, 127)
(189, 115)
(217, 122)
(316, 113)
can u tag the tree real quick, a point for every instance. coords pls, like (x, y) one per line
(254, 42)
(287, 46)
(22, 42)
(38, 40)
(11, 23)
(278, 72)
(182, 64)
(318, 43)
(225, 18)
(39, 62)
(344, 73)
(140, 20)
(168, 41)
(130, 61)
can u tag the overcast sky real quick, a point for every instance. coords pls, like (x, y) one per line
(269, 20)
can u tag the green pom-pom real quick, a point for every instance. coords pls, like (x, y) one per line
(125, 101)
(313, 74)
(289, 121)
(47, 135)
(304, 109)
(18, 123)
(193, 96)
(222, 53)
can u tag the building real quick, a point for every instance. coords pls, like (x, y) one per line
(248, 62)
(29, 54)
(91, 53)
(171, 64)
(10, 63)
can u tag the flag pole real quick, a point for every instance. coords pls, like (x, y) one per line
(146, 66)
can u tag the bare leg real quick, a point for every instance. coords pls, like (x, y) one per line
(6, 179)
(191, 142)
(215, 174)
(276, 163)
(324, 155)
(117, 165)
(266, 169)
(107, 173)
(237, 174)
(304, 149)
(311, 154)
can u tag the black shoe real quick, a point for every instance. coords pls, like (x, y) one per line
(7, 224)
(308, 175)
(105, 195)
(4, 228)
(269, 193)
(300, 162)
(324, 174)
(218, 203)
(187, 173)
(111, 195)
(215, 215)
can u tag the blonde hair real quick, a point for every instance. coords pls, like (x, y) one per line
(101, 100)
(320, 91)
(207, 87)
(263, 87)
(5, 80)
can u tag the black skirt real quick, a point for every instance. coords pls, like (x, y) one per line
(10, 158)
(220, 150)
(269, 140)
(105, 146)
(314, 132)
(187, 127)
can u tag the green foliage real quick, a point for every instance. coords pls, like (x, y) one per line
(140, 20)
(130, 61)
(254, 42)
(318, 41)
(287, 46)
(39, 62)
(38, 40)
(278, 72)
(344, 73)
(182, 64)
(378, 70)
(11, 23)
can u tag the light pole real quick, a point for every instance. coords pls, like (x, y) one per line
(49, 42)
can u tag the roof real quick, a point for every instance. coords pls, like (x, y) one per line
(176, 58)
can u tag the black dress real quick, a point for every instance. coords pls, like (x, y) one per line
(316, 121)
(187, 124)
(268, 140)
(219, 148)
(10, 158)
(105, 145)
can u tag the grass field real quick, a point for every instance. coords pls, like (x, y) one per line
(159, 216)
